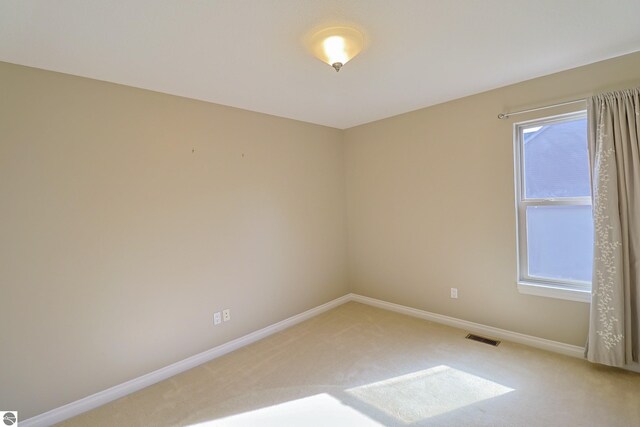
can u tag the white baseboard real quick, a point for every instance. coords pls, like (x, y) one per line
(544, 344)
(103, 397)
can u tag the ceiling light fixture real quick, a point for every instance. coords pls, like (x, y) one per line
(336, 45)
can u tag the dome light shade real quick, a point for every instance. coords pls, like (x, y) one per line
(336, 45)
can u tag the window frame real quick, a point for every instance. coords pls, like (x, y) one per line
(573, 290)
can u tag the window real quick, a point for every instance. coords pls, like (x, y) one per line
(553, 194)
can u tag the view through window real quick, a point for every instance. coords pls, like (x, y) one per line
(553, 190)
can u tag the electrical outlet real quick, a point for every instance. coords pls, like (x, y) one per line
(217, 318)
(454, 293)
(226, 314)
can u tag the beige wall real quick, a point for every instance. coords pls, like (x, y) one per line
(430, 205)
(118, 241)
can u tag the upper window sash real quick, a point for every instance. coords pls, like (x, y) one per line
(519, 152)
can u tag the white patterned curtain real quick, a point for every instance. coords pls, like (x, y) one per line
(614, 151)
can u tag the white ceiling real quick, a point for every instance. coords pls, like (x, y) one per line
(249, 53)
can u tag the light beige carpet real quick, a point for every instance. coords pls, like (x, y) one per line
(361, 366)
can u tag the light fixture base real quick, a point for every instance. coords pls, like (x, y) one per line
(337, 66)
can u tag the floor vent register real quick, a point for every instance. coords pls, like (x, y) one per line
(482, 339)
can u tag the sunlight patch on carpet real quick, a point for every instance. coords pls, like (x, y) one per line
(320, 410)
(420, 395)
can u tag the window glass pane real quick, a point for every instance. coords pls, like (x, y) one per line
(560, 242)
(556, 162)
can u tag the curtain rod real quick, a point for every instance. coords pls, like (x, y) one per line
(530, 110)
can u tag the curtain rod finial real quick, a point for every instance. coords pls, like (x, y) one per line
(502, 116)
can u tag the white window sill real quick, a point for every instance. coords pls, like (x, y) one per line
(551, 291)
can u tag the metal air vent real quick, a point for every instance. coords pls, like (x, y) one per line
(482, 339)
